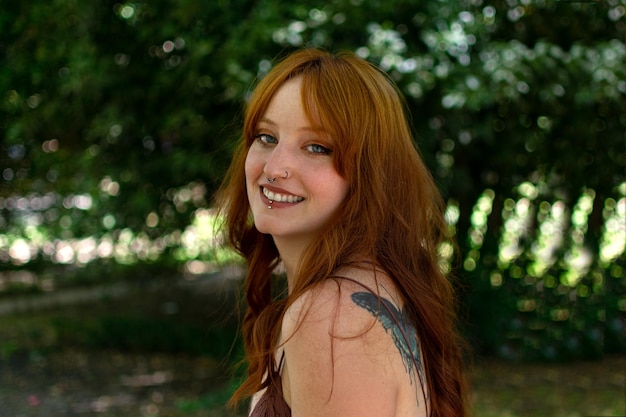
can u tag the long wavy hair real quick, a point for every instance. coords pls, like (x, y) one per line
(392, 215)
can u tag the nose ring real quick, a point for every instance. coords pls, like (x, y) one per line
(271, 180)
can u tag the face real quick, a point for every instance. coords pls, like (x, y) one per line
(304, 189)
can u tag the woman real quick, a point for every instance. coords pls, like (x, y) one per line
(327, 184)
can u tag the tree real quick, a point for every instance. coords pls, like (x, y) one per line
(118, 120)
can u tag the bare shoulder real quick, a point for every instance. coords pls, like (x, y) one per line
(328, 307)
(339, 358)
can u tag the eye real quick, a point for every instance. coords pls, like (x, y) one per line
(266, 139)
(318, 149)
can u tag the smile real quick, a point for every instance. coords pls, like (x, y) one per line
(281, 198)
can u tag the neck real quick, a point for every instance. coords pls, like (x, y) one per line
(290, 253)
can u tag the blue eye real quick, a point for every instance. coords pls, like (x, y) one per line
(318, 149)
(266, 139)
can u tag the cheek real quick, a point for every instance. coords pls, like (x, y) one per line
(251, 167)
(340, 192)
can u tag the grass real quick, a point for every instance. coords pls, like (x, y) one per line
(578, 389)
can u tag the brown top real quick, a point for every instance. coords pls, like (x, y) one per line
(272, 403)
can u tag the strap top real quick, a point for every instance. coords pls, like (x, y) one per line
(272, 403)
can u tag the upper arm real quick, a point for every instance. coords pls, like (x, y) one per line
(337, 360)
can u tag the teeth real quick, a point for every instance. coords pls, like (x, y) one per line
(280, 198)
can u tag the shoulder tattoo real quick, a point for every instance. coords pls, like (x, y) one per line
(398, 324)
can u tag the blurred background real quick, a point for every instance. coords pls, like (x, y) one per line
(117, 121)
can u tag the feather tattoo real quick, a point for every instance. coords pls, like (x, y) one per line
(398, 323)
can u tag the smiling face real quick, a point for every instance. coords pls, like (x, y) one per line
(304, 189)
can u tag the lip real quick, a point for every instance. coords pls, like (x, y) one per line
(277, 190)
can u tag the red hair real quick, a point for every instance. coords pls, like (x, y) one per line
(392, 215)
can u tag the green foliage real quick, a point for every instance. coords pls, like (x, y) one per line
(118, 120)
(7, 349)
(141, 334)
(132, 332)
(215, 400)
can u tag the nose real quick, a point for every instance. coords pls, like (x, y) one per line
(280, 162)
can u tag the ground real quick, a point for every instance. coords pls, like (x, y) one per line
(112, 384)
(106, 383)
(578, 389)
(56, 362)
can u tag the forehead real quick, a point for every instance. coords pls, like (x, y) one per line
(290, 101)
(286, 98)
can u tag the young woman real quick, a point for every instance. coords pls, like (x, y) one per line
(327, 187)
